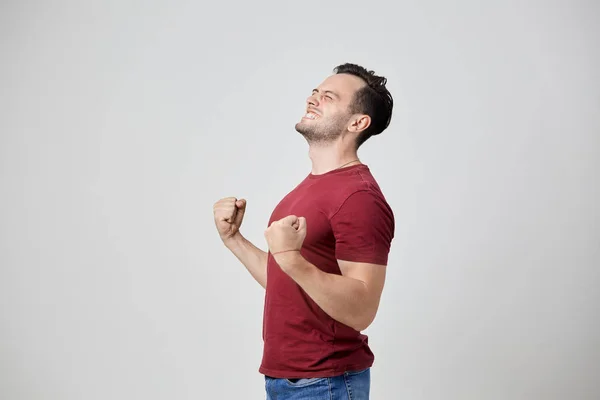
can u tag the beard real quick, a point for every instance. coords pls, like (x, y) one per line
(323, 130)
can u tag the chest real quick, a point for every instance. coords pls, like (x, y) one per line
(314, 205)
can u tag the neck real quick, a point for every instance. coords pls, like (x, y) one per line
(327, 157)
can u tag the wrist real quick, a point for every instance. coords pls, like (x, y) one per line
(233, 240)
(288, 260)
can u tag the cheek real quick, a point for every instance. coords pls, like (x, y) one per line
(333, 113)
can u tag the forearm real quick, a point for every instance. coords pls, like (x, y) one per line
(344, 299)
(253, 258)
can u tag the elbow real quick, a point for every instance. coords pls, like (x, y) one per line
(360, 327)
(365, 317)
(362, 323)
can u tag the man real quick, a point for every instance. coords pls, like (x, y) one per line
(329, 240)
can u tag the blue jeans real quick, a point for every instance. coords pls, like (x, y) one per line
(348, 386)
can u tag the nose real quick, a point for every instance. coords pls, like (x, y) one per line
(313, 100)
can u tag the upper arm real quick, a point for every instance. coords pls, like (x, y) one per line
(371, 275)
(364, 229)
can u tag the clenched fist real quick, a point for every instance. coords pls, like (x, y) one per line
(286, 234)
(229, 213)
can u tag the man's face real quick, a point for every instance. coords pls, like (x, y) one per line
(328, 108)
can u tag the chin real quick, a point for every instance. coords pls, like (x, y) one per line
(301, 128)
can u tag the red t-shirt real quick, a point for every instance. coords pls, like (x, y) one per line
(347, 218)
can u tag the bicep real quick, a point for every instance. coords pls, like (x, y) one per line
(371, 275)
(364, 228)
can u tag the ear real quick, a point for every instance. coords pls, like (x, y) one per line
(359, 123)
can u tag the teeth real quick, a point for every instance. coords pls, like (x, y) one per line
(310, 115)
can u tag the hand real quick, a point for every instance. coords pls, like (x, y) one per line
(286, 234)
(229, 213)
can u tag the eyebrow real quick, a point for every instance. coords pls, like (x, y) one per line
(328, 92)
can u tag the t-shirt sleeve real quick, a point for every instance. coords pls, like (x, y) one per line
(363, 228)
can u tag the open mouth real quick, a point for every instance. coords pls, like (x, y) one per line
(311, 115)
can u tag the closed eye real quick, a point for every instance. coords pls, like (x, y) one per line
(327, 94)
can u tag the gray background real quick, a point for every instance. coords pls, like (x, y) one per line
(122, 122)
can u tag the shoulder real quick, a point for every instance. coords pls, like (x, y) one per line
(367, 203)
(361, 191)
(363, 227)
(358, 178)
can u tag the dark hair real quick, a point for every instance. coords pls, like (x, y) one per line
(373, 99)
